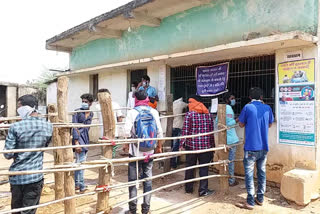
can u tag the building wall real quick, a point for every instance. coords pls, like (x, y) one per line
(11, 101)
(201, 27)
(78, 85)
(52, 93)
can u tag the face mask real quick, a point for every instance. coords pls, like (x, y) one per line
(25, 111)
(85, 106)
(133, 89)
(144, 83)
(232, 102)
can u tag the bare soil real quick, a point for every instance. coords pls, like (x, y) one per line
(169, 201)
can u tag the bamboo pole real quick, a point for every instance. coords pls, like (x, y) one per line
(167, 144)
(223, 155)
(57, 154)
(109, 132)
(69, 185)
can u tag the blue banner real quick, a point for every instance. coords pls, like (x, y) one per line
(212, 80)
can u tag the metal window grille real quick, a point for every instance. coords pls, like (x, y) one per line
(244, 73)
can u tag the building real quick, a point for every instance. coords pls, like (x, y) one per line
(168, 39)
(10, 92)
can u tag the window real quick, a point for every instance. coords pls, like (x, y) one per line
(244, 73)
(136, 75)
(94, 85)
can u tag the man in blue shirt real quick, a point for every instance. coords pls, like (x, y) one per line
(80, 136)
(257, 118)
(31, 132)
(151, 91)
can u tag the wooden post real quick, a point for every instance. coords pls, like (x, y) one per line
(69, 185)
(57, 154)
(167, 144)
(222, 155)
(109, 125)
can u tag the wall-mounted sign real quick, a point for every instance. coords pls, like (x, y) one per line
(296, 114)
(293, 56)
(212, 80)
(300, 71)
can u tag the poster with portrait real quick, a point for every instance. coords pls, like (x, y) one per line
(296, 111)
(300, 71)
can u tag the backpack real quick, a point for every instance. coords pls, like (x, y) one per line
(145, 127)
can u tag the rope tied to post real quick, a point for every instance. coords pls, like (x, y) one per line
(109, 163)
(147, 157)
(104, 188)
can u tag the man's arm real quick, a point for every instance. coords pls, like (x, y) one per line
(243, 118)
(10, 143)
(185, 129)
(271, 118)
(128, 127)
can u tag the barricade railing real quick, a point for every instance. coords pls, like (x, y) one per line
(64, 162)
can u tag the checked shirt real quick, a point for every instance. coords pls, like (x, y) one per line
(195, 123)
(32, 132)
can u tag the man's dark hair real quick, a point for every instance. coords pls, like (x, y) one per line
(226, 97)
(255, 93)
(141, 95)
(28, 100)
(146, 77)
(135, 83)
(104, 90)
(88, 97)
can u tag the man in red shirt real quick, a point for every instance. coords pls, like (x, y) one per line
(198, 120)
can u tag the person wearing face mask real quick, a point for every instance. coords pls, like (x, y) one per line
(131, 98)
(80, 136)
(232, 137)
(31, 132)
(151, 91)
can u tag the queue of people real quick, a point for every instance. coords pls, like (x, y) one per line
(143, 121)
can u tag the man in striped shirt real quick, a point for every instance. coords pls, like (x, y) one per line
(31, 132)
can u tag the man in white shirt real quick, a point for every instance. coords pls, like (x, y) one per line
(131, 98)
(144, 165)
(178, 108)
(118, 116)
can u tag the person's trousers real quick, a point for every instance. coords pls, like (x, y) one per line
(192, 159)
(250, 158)
(232, 155)
(175, 147)
(79, 175)
(26, 195)
(146, 171)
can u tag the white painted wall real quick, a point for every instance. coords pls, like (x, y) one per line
(116, 82)
(78, 85)
(11, 101)
(52, 93)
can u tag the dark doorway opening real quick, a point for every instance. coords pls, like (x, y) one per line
(3, 101)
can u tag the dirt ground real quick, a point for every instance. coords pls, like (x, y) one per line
(168, 201)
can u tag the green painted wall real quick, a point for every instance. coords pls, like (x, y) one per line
(222, 21)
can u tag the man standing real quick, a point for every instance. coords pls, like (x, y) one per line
(178, 108)
(131, 102)
(198, 120)
(31, 132)
(80, 136)
(151, 91)
(257, 118)
(139, 119)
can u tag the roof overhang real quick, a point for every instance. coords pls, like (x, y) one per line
(112, 24)
(254, 47)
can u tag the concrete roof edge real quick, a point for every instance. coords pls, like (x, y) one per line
(108, 15)
(295, 35)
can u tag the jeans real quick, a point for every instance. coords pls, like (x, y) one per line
(146, 171)
(192, 159)
(250, 158)
(175, 147)
(232, 155)
(79, 175)
(26, 195)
